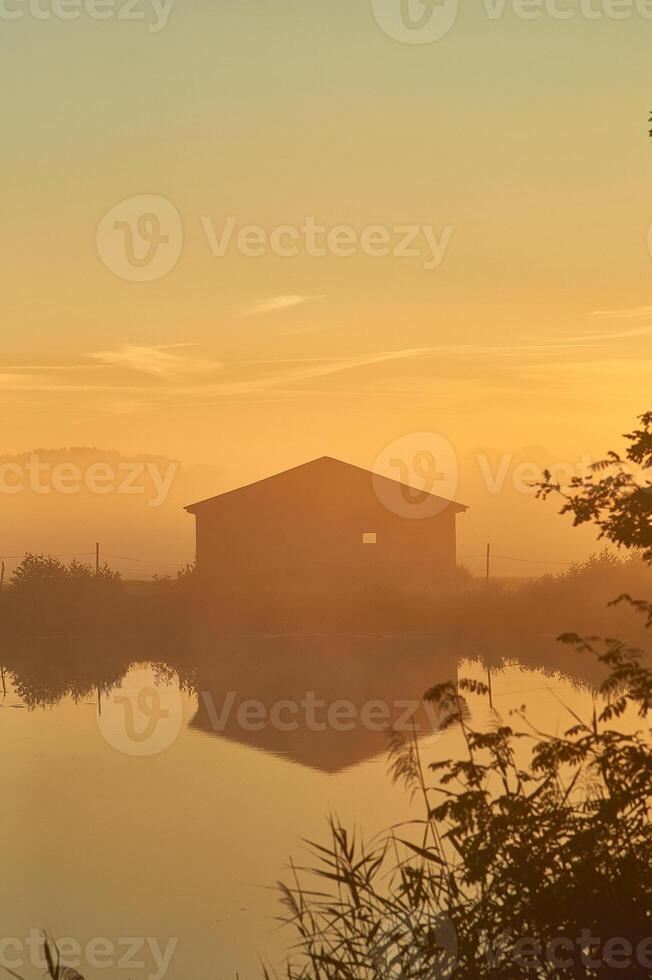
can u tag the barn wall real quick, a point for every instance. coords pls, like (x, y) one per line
(300, 529)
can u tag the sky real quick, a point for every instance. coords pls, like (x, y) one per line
(512, 153)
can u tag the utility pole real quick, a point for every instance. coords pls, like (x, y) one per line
(491, 697)
(2, 670)
(97, 558)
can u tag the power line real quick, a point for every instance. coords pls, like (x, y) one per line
(144, 561)
(529, 561)
(89, 554)
(69, 554)
(160, 563)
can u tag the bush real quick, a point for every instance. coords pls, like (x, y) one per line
(538, 868)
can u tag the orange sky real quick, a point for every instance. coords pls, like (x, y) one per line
(520, 145)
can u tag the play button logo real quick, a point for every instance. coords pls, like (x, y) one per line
(416, 21)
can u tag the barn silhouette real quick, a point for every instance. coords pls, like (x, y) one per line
(323, 527)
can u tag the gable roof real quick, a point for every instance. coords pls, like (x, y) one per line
(324, 467)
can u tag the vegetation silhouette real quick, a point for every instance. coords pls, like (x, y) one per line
(66, 629)
(515, 868)
(54, 967)
(538, 867)
(69, 598)
(77, 635)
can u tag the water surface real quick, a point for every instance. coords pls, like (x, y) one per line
(142, 806)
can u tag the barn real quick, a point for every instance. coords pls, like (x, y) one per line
(324, 524)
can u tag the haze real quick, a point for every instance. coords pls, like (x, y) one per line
(526, 138)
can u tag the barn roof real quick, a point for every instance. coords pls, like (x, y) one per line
(324, 467)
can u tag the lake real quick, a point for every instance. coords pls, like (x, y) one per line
(150, 810)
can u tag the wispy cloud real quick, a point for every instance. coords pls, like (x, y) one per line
(275, 304)
(41, 368)
(613, 370)
(616, 335)
(157, 361)
(631, 314)
(461, 350)
(644, 329)
(189, 381)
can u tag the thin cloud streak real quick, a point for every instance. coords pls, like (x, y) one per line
(631, 314)
(461, 349)
(63, 368)
(618, 334)
(276, 304)
(156, 361)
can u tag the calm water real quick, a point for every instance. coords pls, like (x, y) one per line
(164, 807)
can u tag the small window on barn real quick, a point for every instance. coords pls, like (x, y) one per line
(369, 537)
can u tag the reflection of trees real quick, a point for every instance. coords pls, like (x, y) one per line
(54, 657)
(69, 630)
(44, 671)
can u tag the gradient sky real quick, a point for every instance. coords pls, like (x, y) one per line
(529, 137)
